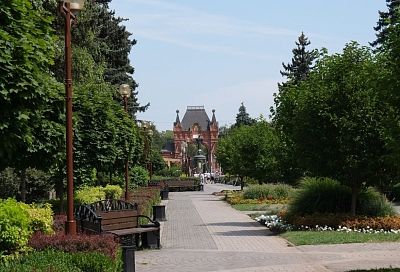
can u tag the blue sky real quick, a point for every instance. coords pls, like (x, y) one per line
(219, 53)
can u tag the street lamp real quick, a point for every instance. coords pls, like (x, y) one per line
(68, 8)
(125, 92)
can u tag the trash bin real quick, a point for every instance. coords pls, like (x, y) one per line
(159, 213)
(128, 257)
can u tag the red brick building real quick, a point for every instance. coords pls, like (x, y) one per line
(195, 125)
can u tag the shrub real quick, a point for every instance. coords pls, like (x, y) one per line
(78, 243)
(138, 176)
(395, 192)
(113, 191)
(9, 183)
(41, 217)
(57, 261)
(324, 195)
(320, 195)
(87, 195)
(268, 191)
(373, 203)
(15, 227)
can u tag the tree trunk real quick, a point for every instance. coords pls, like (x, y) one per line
(354, 194)
(241, 183)
(23, 185)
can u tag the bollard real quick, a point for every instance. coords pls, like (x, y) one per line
(159, 213)
(128, 257)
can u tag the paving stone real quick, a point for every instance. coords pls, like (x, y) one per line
(203, 233)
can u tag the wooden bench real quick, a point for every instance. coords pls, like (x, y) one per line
(121, 219)
(182, 185)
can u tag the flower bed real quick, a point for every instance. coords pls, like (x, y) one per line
(389, 224)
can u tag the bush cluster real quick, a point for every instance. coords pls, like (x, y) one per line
(268, 191)
(138, 176)
(324, 195)
(58, 261)
(78, 243)
(87, 194)
(18, 221)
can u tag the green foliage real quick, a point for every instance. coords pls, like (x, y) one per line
(61, 261)
(14, 227)
(9, 183)
(173, 171)
(87, 195)
(104, 134)
(334, 119)
(113, 192)
(320, 195)
(334, 237)
(373, 203)
(301, 62)
(30, 100)
(268, 191)
(251, 151)
(395, 192)
(324, 195)
(138, 176)
(41, 217)
(243, 118)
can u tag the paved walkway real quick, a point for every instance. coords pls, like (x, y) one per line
(203, 233)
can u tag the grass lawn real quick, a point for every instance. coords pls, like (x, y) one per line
(299, 238)
(268, 208)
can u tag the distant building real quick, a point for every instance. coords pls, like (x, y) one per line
(195, 125)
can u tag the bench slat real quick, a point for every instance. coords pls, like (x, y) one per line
(122, 232)
(118, 214)
(117, 220)
(126, 225)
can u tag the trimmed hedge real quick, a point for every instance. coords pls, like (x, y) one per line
(58, 261)
(104, 244)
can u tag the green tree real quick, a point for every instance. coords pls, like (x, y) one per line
(251, 151)
(243, 118)
(388, 21)
(31, 125)
(338, 120)
(302, 61)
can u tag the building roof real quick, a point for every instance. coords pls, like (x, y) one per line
(195, 114)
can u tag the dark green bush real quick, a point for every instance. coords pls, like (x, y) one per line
(395, 192)
(324, 195)
(58, 261)
(138, 176)
(373, 203)
(268, 191)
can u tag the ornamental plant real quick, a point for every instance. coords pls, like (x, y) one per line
(15, 228)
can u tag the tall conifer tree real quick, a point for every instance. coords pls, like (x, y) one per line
(302, 61)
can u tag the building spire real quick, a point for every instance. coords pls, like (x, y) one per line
(177, 121)
(213, 119)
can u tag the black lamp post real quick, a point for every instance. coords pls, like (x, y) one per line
(68, 9)
(125, 92)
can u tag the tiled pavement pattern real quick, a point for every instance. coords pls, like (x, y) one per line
(204, 234)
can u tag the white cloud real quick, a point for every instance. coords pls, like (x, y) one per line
(191, 28)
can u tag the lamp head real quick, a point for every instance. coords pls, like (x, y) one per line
(125, 90)
(75, 5)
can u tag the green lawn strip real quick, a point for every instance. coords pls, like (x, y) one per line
(268, 208)
(251, 207)
(299, 238)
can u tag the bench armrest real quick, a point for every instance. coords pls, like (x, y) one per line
(154, 223)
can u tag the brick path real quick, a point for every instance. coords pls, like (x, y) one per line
(203, 233)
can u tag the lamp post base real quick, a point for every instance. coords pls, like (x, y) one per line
(70, 227)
